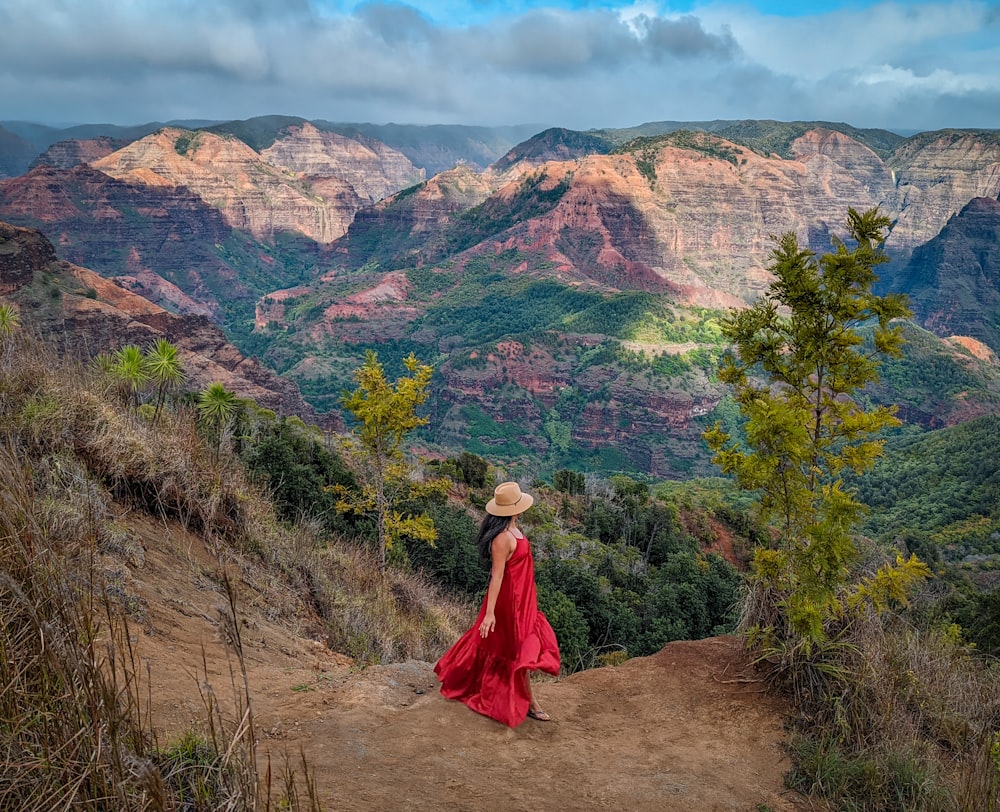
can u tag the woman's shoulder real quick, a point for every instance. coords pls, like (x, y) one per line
(506, 540)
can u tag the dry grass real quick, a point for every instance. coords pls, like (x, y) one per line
(75, 727)
(373, 616)
(74, 731)
(891, 717)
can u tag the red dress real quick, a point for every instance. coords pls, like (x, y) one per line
(489, 674)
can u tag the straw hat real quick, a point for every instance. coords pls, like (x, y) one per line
(509, 500)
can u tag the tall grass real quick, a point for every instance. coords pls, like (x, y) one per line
(76, 721)
(891, 716)
(75, 729)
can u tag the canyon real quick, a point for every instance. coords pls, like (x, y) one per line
(568, 295)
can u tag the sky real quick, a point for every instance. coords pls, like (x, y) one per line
(898, 64)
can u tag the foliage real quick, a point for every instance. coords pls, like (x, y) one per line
(937, 495)
(570, 482)
(217, 407)
(386, 413)
(803, 428)
(764, 137)
(10, 320)
(130, 369)
(644, 148)
(163, 366)
(259, 132)
(299, 472)
(453, 562)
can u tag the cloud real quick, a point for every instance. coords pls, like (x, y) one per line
(924, 64)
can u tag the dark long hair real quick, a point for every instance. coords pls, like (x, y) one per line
(491, 527)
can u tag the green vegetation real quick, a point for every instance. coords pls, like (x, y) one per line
(765, 137)
(183, 143)
(259, 132)
(882, 704)
(493, 217)
(803, 430)
(386, 413)
(938, 495)
(645, 148)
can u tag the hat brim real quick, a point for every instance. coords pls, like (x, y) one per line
(521, 505)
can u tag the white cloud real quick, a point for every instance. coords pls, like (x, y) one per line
(918, 64)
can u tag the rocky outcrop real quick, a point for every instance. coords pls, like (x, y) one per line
(225, 173)
(23, 252)
(936, 175)
(85, 314)
(122, 229)
(309, 182)
(953, 281)
(373, 170)
(555, 144)
(67, 154)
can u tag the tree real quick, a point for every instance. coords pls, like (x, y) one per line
(164, 368)
(386, 413)
(803, 427)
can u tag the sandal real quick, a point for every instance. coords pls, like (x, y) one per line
(539, 715)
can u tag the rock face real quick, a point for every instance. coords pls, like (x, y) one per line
(67, 154)
(953, 281)
(260, 193)
(22, 252)
(123, 229)
(86, 314)
(368, 166)
(936, 175)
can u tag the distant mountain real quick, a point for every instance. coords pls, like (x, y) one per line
(85, 315)
(76, 151)
(16, 153)
(440, 147)
(39, 137)
(568, 295)
(165, 241)
(571, 307)
(953, 280)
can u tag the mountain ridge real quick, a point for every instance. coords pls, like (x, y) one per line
(572, 289)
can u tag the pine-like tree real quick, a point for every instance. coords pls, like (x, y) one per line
(386, 413)
(798, 361)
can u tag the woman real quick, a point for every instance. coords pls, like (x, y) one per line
(488, 668)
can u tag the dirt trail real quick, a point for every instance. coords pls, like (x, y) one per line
(681, 730)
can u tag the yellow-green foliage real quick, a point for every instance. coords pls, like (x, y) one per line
(882, 706)
(804, 428)
(386, 413)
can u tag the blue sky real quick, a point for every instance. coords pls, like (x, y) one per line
(901, 65)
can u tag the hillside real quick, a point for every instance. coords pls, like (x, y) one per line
(85, 315)
(953, 280)
(688, 728)
(568, 296)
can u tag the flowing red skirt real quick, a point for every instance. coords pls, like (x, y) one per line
(490, 675)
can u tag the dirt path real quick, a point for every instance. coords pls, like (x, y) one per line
(676, 731)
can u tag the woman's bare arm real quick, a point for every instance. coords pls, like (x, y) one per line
(502, 549)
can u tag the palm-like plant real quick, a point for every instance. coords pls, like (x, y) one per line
(164, 367)
(10, 320)
(217, 407)
(131, 371)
